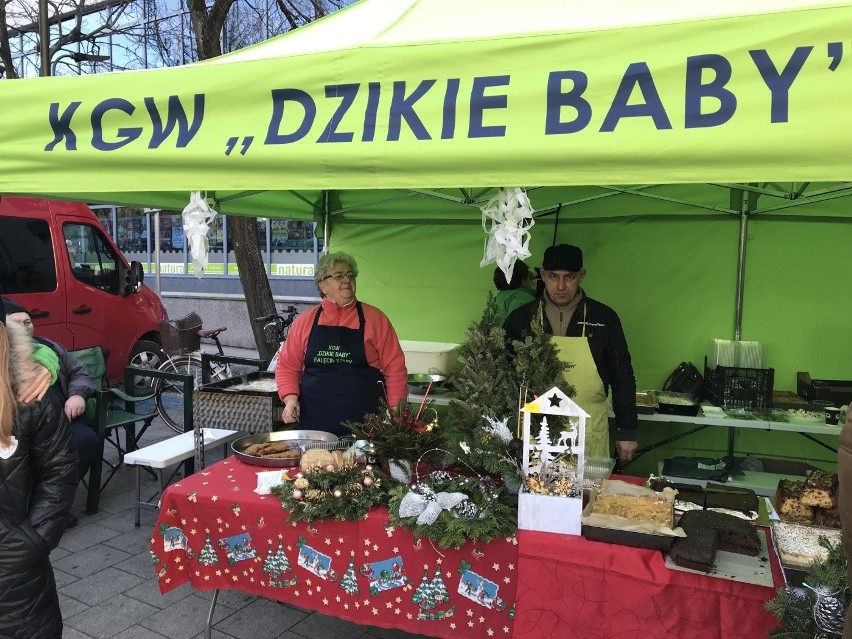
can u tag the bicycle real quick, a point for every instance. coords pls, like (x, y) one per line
(275, 330)
(181, 340)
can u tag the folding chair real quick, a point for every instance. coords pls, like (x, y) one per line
(110, 411)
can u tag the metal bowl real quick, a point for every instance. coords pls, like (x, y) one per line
(421, 381)
(298, 439)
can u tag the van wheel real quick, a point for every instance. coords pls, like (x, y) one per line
(146, 354)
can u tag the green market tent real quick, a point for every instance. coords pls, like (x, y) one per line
(632, 124)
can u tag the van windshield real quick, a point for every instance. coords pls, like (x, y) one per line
(93, 260)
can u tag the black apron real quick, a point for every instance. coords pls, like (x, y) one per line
(338, 384)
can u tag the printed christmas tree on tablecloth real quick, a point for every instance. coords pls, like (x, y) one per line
(423, 595)
(349, 581)
(429, 594)
(439, 588)
(276, 565)
(207, 556)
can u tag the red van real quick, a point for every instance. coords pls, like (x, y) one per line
(58, 263)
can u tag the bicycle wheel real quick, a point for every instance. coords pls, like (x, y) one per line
(169, 394)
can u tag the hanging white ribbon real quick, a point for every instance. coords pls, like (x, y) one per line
(197, 217)
(507, 240)
(428, 506)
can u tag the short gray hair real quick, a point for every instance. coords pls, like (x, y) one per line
(327, 262)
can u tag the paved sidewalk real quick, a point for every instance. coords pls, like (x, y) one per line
(108, 587)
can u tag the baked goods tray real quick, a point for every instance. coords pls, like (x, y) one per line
(301, 440)
(805, 539)
(734, 567)
(628, 538)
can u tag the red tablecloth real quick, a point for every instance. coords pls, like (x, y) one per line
(215, 532)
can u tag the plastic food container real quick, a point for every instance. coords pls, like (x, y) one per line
(676, 404)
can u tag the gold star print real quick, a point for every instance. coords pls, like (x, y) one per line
(470, 624)
(308, 582)
(337, 552)
(327, 541)
(399, 600)
(375, 546)
(251, 569)
(357, 605)
(204, 483)
(235, 578)
(319, 587)
(244, 527)
(206, 577)
(439, 560)
(469, 612)
(298, 594)
(448, 574)
(366, 542)
(340, 540)
(214, 498)
(506, 580)
(207, 530)
(197, 573)
(490, 632)
(221, 530)
(192, 532)
(453, 625)
(511, 566)
(177, 559)
(506, 629)
(245, 573)
(195, 520)
(325, 601)
(251, 580)
(425, 566)
(375, 611)
(496, 567)
(289, 548)
(389, 604)
(218, 573)
(346, 606)
(482, 620)
(227, 571)
(396, 549)
(310, 592)
(366, 602)
(396, 611)
(183, 522)
(409, 615)
(337, 598)
(366, 553)
(280, 535)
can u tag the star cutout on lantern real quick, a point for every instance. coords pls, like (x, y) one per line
(554, 400)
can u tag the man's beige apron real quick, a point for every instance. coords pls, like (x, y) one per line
(590, 395)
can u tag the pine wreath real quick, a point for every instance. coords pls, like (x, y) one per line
(347, 493)
(816, 610)
(490, 513)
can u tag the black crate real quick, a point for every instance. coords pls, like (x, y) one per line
(734, 387)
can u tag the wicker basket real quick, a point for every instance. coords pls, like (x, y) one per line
(180, 336)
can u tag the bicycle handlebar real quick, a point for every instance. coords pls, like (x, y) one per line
(291, 314)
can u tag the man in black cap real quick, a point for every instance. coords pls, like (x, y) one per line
(587, 334)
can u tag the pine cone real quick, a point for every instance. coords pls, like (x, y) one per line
(313, 494)
(465, 510)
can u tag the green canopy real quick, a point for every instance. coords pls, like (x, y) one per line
(631, 124)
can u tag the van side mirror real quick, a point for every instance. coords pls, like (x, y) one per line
(131, 278)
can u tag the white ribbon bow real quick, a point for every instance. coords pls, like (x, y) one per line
(197, 217)
(508, 239)
(428, 506)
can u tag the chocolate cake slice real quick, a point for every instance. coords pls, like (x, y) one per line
(697, 550)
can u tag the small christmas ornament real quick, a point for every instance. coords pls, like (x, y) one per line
(828, 610)
(465, 510)
(297, 495)
(368, 481)
(330, 468)
(338, 493)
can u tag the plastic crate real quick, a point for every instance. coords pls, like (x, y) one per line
(734, 387)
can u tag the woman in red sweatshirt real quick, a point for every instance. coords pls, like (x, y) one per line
(341, 357)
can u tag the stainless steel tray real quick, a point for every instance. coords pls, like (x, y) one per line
(300, 439)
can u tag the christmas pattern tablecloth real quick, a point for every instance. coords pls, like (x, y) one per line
(215, 532)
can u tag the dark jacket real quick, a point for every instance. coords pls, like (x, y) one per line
(609, 350)
(73, 377)
(37, 485)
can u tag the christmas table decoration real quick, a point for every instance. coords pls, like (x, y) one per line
(451, 509)
(817, 610)
(401, 435)
(551, 499)
(347, 492)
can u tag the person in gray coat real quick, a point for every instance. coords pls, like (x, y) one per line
(38, 478)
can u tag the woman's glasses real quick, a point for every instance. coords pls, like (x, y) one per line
(339, 277)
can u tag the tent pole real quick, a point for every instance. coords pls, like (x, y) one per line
(325, 221)
(741, 254)
(157, 248)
